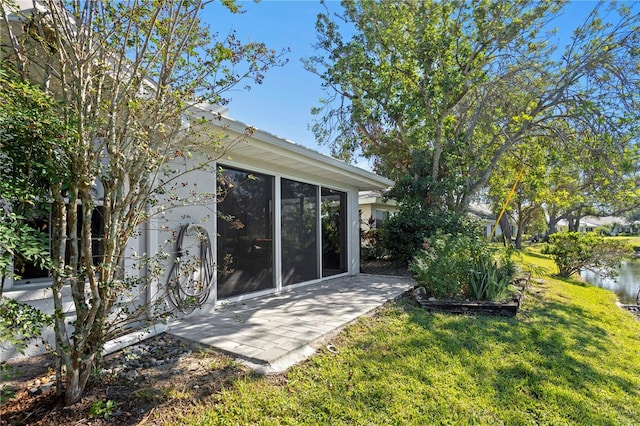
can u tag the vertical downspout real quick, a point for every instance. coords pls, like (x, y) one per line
(214, 240)
(146, 242)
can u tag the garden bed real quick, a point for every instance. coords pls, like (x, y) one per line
(634, 309)
(507, 308)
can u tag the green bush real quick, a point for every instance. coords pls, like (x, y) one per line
(576, 251)
(442, 268)
(21, 323)
(370, 244)
(462, 266)
(402, 235)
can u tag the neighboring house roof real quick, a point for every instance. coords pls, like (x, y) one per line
(482, 211)
(375, 197)
(290, 157)
(594, 221)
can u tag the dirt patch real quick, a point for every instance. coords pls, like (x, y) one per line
(383, 267)
(121, 392)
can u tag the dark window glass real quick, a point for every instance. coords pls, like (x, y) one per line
(334, 232)
(41, 220)
(97, 234)
(299, 211)
(245, 232)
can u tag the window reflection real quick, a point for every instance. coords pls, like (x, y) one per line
(334, 232)
(245, 232)
(299, 210)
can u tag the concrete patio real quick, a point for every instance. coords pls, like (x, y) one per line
(274, 332)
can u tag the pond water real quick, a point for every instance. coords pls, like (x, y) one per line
(625, 285)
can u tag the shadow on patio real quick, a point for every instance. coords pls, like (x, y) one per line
(274, 332)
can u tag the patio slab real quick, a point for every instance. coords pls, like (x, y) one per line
(274, 332)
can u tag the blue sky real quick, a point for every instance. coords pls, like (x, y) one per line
(281, 104)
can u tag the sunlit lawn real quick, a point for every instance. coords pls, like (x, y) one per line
(570, 357)
(634, 241)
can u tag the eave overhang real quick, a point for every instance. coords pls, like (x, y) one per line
(266, 150)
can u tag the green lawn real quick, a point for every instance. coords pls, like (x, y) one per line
(634, 241)
(570, 357)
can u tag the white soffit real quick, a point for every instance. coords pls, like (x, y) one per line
(270, 151)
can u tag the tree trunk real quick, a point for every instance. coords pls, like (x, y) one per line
(573, 224)
(77, 377)
(552, 225)
(519, 233)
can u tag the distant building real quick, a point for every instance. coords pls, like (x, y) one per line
(488, 219)
(612, 225)
(374, 209)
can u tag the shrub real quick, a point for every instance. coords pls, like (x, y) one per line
(370, 243)
(487, 280)
(455, 266)
(21, 323)
(402, 235)
(575, 251)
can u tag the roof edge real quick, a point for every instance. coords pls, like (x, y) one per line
(374, 181)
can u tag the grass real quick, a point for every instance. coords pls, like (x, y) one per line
(634, 241)
(570, 357)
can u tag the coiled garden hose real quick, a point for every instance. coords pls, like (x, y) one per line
(191, 277)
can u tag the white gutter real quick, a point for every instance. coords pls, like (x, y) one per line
(292, 149)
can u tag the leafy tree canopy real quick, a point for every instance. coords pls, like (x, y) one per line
(454, 86)
(574, 252)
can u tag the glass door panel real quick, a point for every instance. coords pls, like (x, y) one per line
(334, 232)
(299, 211)
(245, 233)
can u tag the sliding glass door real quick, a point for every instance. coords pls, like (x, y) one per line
(312, 232)
(334, 232)
(245, 232)
(299, 210)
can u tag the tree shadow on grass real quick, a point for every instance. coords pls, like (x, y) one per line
(557, 356)
(404, 365)
(537, 255)
(572, 281)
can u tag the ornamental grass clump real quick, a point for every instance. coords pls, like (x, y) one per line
(487, 281)
(462, 267)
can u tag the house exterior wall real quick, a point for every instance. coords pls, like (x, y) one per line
(197, 189)
(170, 220)
(374, 206)
(354, 232)
(365, 214)
(260, 153)
(378, 212)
